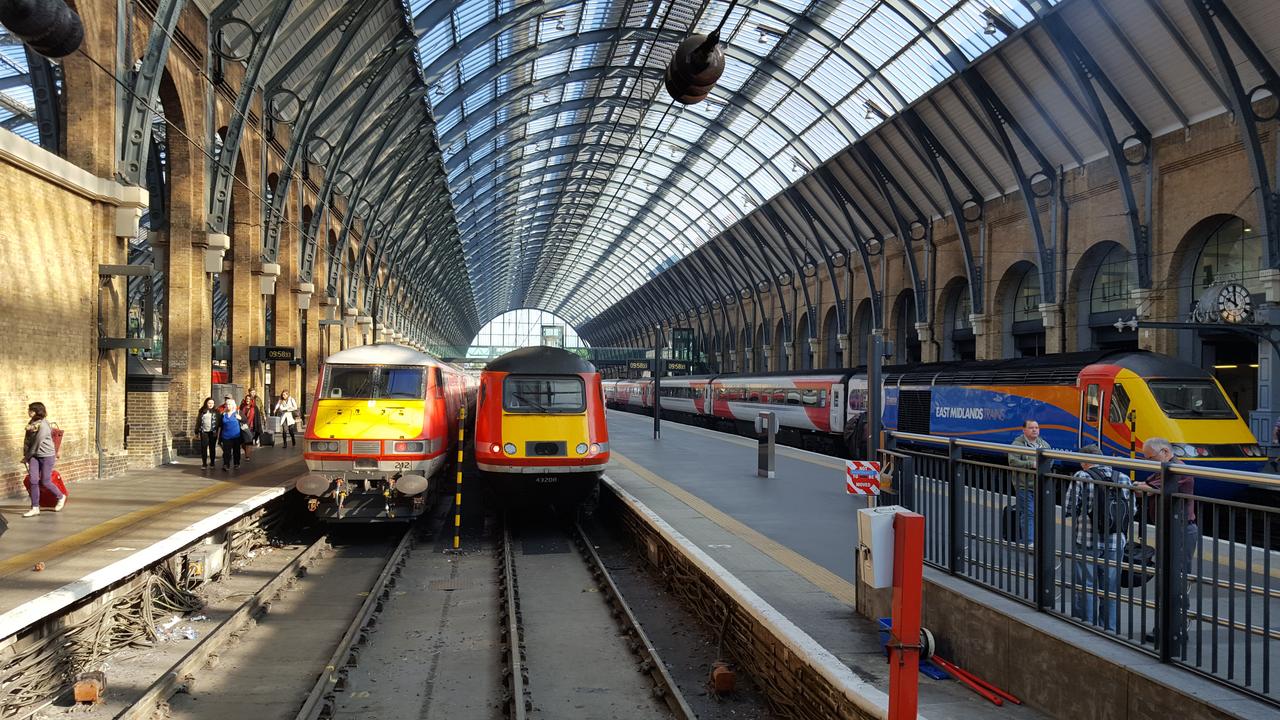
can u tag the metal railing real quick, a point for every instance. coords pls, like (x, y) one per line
(1192, 580)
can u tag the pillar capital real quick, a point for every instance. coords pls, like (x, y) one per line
(1270, 278)
(815, 345)
(842, 342)
(267, 275)
(979, 323)
(130, 202)
(924, 331)
(303, 292)
(1144, 301)
(1051, 314)
(217, 244)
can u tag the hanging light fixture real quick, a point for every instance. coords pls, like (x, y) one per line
(694, 68)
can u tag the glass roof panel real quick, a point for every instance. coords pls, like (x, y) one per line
(568, 85)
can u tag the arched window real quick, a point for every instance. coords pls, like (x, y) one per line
(1232, 252)
(834, 357)
(804, 355)
(960, 343)
(780, 347)
(907, 340)
(523, 328)
(1110, 298)
(1024, 325)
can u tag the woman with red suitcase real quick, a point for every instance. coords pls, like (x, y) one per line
(39, 455)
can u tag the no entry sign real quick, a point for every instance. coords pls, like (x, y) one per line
(862, 477)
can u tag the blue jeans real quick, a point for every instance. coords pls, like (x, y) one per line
(1027, 514)
(1095, 580)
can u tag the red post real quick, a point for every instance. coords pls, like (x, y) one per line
(904, 641)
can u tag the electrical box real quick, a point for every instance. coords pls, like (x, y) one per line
(875, 545)
(205, 562)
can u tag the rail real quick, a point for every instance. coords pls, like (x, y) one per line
(1190, 579)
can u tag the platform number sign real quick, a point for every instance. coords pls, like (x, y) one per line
(862, 477)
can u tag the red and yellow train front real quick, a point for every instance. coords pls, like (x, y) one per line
(375, 436)
(541, 424)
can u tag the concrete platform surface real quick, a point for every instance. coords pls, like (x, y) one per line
(105, 521)
(790, 538)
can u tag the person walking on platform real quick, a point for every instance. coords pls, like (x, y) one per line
(251, 413)
(1024, 477)
(1185, 534)
(231, 433)
(285, 408)
(39, 454)
(1102, 516)
(207, 433)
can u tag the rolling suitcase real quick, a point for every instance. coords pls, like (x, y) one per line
(267, 439)
(47, 500)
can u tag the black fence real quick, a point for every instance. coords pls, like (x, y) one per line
(1192, 580)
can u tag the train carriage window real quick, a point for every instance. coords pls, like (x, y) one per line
(1092, 404)
(543, 394)
(1119, 405)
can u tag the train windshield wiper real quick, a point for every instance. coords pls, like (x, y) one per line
(529, 401)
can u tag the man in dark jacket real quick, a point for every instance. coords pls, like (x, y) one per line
(1185, 533)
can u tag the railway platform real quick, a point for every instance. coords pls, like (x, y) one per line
(791, 539)
(110, 528)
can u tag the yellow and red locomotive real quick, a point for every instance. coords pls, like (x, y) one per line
(384, 421)
(540, 424)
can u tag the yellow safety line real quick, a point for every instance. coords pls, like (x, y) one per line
(833, 584)
(78, 540)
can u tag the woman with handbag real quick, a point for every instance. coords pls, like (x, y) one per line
(39, 454)
(285, 408)
(251, 417)
(231, 433)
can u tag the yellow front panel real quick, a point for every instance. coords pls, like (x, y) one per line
(1152, 422)
(369, 419)
(520, 428)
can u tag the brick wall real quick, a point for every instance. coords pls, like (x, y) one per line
(147, 424)
(48, 255)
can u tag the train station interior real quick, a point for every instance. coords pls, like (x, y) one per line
(866, 203)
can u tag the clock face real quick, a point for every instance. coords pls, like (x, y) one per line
(1234, 303)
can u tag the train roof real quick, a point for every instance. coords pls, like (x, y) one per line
(382, 354)
(540, 360)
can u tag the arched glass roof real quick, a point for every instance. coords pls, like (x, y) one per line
(575, 178)
(523, 328)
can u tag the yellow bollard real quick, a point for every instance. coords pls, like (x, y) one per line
(457, 498)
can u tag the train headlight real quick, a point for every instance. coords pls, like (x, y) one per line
(581, 449)
(495, 449)
(312, 484)
(1181, 450)
(329, 446)
(595, 448)
(402, 446)
(509, 448)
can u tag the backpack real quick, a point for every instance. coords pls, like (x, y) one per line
(1112, 512)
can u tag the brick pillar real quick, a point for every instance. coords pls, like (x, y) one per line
(147, 439)
(928, 350)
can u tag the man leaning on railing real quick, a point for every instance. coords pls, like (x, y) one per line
(1102, 514)
(1025, 482)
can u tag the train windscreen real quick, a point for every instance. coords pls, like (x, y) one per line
(371, 382)
(1191, 399)
(544, 394)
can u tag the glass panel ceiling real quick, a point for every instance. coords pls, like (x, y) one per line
(17, 100)
(567, 159)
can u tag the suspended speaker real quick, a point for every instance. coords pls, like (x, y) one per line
(694, 68)
(48, 26)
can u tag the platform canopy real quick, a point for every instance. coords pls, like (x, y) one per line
(575, 178)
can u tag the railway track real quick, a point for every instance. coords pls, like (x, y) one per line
(258, 657)
(572, 646)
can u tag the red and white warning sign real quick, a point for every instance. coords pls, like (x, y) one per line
(862, 477)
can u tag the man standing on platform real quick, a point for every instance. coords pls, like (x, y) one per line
(1102, 517)
(1024, 477)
